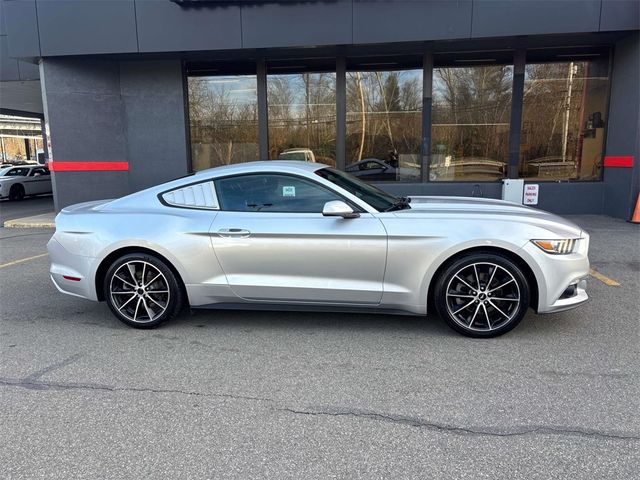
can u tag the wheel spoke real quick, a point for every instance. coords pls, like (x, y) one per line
(498, 309)
(132, 272)
(486, 315)
(144, 268)
(153, 280)
(133, 295)
(475, 269)
(157, 291)
(458, 277)
(474, 315)
(146, 307)
(505, 299)
(124, 281)
(154, 301)
(135, 314)
(459, 295)
(495, 267)
(501, 286)
(462, 308)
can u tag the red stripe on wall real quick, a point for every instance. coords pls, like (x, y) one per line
(58, 166)
(619, 162)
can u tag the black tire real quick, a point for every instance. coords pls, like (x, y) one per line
(470, 306)
(145, 307)
(16, 192)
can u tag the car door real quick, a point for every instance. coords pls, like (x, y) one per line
(37, 182)
(274, 244)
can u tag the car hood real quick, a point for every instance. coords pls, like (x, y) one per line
(499, 209)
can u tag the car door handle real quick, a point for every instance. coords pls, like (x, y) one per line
(234, 232)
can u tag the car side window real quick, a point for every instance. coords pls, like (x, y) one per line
(35, 171)
(18, 172)
(272, 193)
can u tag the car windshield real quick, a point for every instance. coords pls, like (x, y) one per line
(378, 199)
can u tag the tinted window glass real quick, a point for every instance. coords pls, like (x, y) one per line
(375, 197)
(272, 193)
(18, 172)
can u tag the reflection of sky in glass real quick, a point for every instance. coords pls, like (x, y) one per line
(239, 89)
(320, 85)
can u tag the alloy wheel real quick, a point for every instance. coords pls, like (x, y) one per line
(482, 296)
(139, 291)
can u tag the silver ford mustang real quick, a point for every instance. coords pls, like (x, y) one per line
(300, 236)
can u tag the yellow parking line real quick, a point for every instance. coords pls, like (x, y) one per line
(604, 279)
(22, 260)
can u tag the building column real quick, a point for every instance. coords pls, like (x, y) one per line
(515, 127)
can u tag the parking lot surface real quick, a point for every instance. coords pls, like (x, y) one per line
(235, 394)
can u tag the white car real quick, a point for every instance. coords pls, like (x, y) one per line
(19, 181)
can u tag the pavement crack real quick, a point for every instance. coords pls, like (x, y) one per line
(458, 430)
(50, 368)
(36, 385)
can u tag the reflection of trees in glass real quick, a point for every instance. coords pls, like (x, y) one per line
(563, 119)
(223, 118)
(383, 115)
(302, 114)
(471, 111)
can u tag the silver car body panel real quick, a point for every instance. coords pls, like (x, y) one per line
(380, 260)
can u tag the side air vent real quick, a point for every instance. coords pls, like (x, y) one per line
(201, 195)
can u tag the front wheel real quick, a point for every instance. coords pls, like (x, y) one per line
(482, 295)
(142, 291)
(16, 192)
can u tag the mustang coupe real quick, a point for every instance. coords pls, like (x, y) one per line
(304, 236)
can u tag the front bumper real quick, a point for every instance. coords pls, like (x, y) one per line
(557, 273)
(70, 273)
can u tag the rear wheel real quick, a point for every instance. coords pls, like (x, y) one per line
(482, 295)
(16, 192)
(142, 291)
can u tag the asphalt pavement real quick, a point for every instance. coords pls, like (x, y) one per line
(10, 210)
(235, 394)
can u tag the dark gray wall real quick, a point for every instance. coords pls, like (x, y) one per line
(72, 27)
(107, 110)
(623, 130)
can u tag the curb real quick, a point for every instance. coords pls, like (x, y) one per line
(38, 221)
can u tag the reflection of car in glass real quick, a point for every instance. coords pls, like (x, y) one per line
(372, 169)
(466, 166)
(301, 154)
(19, 181)
(300, 235)
(551, 166)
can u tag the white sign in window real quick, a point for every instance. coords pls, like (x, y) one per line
(531, 194)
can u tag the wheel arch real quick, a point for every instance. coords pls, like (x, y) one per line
(528, 272)
(106, 262)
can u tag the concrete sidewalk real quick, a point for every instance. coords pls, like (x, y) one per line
(45, 220)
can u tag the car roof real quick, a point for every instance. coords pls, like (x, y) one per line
(290, 166)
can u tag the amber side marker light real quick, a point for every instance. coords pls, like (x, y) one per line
(73, 279)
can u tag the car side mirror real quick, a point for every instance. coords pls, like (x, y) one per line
(338, 208)
(37, 174)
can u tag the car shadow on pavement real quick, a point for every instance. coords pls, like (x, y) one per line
(310, 321)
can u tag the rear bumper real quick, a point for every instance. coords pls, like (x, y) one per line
(71, 274)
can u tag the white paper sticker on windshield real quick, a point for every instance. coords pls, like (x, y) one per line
(289, 191)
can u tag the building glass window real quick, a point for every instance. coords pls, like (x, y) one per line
(223, 114)
(563, 120)
(384, 125)
(470, 123)
(302, 117)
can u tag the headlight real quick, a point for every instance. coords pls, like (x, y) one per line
(557, 247)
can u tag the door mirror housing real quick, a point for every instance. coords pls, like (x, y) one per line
(338, 208)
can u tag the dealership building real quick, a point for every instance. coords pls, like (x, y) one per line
(423, 97)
